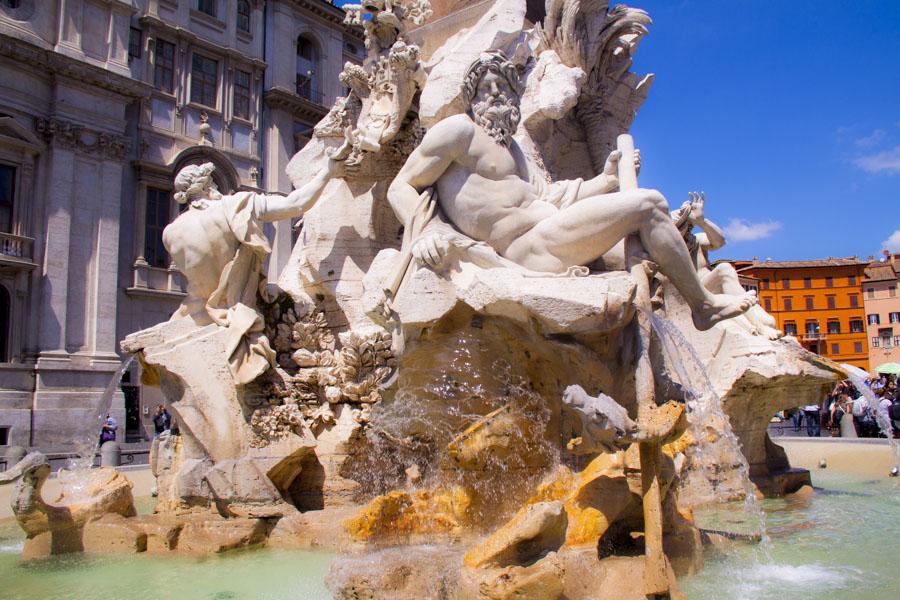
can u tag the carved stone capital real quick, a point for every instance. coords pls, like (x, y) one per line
(72, 136)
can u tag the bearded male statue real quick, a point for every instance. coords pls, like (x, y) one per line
(219, 245)
(486, 190)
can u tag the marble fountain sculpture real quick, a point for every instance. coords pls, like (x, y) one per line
(459, 381)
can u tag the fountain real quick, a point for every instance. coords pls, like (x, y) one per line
(456, 396)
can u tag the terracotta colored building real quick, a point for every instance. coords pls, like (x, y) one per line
(882, 306)
(819, 302)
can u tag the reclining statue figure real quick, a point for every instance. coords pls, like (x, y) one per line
(486, 190)
(721, 279)
(219, 245)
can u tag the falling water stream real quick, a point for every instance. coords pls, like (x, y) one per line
(705, 407)
(858, 377)
(86, 439)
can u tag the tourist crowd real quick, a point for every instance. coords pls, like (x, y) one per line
(846, 411)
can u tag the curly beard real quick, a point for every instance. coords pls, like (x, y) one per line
(499, 117)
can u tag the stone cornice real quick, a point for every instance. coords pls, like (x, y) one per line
(73, 136)
(279, 98)
(53, 62)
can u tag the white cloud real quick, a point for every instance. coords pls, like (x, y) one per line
(739, 230)
(887, 161)
(892, 244)
(871, 140)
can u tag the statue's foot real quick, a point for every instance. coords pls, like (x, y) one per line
(770, 333)
(722, 306)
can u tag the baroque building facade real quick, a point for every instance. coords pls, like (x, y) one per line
(101, 103)
(883, 309)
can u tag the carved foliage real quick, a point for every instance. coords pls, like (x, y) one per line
(81, 139)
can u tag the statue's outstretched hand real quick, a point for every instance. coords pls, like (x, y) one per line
(697, 203)
(431, 249)
(611, 168)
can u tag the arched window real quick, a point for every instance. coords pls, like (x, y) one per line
(5, 316)
(307, 67)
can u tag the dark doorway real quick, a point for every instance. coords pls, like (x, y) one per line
(5, 313)
(132, 395)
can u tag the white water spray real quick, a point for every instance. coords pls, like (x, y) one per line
(858, 378)
(704, 407)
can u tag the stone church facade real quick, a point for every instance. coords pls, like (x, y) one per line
(101, 103)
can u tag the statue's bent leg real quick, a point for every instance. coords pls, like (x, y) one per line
(584, 231)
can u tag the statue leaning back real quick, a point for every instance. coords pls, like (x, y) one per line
(486, 190)
(219, 245)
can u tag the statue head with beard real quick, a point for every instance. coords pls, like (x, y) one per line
(491, 88)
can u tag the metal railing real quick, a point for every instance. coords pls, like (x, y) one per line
(305, 90)
(16, 246)
(812, 337)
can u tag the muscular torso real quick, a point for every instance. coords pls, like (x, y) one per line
(487, 194)
(201, 243)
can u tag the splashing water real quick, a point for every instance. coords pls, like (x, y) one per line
(858, 377)
(705, 408)
(86, 439)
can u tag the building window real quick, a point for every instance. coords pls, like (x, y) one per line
(894, 317)
(164, 66)
(851, 280)
(854, 301)
(11, 3)
(135, 37)
(856, 326)
(812, 328)
(831, 302)
(871, 292)
(834, 326)
(892, 291)
(765, 284)
(835, 349)
(788, 304)
(207, 6)
(242, 94)
(243, 15)
(875, 342)
(768, 304)
(829, 282)
(807, 282)
(4, 431)
(809, 302)
(7, 197)
(897, 340)
(204, 80)
(790, 328)
(786, 284)
(157, 219)
(307, 64)
(857, 347)
(874, 319)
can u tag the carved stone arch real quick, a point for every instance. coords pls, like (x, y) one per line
(226, 176)
(305, 31)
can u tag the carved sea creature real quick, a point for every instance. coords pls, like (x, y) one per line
(605, 424)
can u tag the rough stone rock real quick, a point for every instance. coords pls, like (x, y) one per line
(541, 580)
(399, 514)
(500, 28)
(114, 534)
(497, 436)
(613, 578)
(594, 498)
(313, 529)
(405, 573)
(755, 378)
(536, 530)
(161, 531)
(203, 535)
(557, 304)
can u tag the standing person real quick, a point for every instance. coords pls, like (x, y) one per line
(108, 431)
(813, 425)
(797, 417)
(162, 421)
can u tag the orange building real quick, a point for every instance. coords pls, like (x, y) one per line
(817, 301)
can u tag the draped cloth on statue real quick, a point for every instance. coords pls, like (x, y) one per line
(233, 303)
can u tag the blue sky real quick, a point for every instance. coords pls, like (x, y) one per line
(786, 113)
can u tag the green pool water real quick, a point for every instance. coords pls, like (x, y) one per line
(844, 544)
